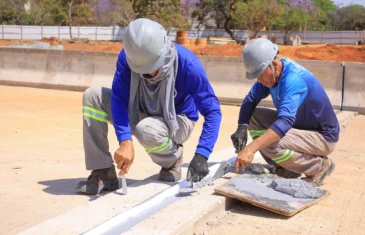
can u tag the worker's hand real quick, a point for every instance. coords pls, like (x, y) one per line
(239, 138)
(244, 158)
(124, 156)
(198, 168)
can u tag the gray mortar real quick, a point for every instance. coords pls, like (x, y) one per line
(259, 187)
(255, 188)
(296, 188)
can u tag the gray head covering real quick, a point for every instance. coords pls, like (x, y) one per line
(155, 95)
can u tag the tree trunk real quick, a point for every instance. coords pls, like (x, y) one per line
(42, 19)
(228, 19)
(226, 27)
(255, 33)
(287, 35)
(70, 17)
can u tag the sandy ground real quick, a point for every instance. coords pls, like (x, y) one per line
(41, 154)
(343, 212)
(41, 162)
(326, 52)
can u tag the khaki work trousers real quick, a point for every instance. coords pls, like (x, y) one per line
(151, 132)
(299, 151)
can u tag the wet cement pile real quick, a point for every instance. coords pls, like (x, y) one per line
(279, 189)
(296, 188)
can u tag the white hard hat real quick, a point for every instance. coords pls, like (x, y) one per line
(145, 44)
(257, 56)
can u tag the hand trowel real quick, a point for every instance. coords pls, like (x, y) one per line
(192, 187)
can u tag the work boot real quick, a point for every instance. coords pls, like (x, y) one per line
(99, 180)
(282, 172)
(328, 168)
(173, 173)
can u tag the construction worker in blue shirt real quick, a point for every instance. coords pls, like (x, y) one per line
(298, 136)
(157, 91)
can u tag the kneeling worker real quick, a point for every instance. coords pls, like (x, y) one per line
(157, 91)
(299, 135)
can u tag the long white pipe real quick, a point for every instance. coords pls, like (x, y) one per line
(127, 217)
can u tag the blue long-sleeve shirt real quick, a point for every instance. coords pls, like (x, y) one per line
(300, 100)
(194, 93)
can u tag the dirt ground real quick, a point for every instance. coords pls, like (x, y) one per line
(42, 158)
(343, 212)
(328, 52)
(41, 162)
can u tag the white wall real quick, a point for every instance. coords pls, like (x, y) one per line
(115, 33)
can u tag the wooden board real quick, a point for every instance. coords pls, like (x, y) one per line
(260, 195)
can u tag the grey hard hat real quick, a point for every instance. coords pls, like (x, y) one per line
(257, 56)
(145, 44)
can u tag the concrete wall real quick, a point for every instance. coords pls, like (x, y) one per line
(330, 75)
(354, 87)
(77, 70)
(227, 75)
(74, 70)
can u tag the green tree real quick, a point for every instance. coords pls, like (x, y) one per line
(295, 17)
(325, 5)
(349, 18)
(118, 12)
(257, 14)
(222, 11)
(320, 14)
(204, 13)
(41, 10)
(12, 11)
(167, 12)
(83, 13)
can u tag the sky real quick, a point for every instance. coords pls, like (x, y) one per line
(348, 2)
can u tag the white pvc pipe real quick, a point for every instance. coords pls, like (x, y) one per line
(127, 217)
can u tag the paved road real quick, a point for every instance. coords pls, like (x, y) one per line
(41, 154)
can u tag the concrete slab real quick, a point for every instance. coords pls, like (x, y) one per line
(94, 213)
(354, 87)
(41, 157)
(345, 116)
(341, 213)
(187, 215)
(42, 161)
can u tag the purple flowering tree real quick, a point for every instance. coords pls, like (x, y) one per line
(108, 12)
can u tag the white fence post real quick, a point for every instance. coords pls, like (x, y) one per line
(21, 32)
(3, 30)
(59, 35)
(113, 34)
(41, 31)
(96, 33)
(340, 37)
(78, 32)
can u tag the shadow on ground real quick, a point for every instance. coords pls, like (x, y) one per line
(248, 209)
(186, 165)
(68, 186)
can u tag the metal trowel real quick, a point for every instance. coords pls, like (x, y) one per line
(192, 187)
(124, 185)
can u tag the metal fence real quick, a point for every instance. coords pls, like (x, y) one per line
(116, 34)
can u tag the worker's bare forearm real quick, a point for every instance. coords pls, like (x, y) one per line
(263, 141)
